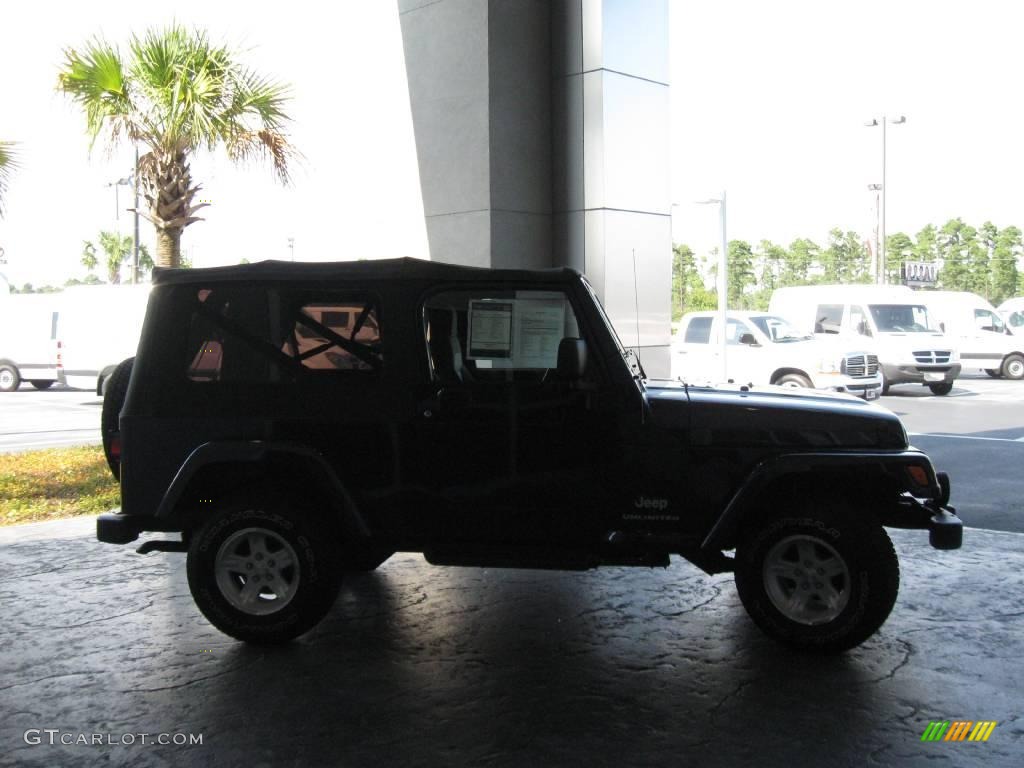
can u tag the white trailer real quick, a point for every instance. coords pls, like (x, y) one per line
(28, 348)
(98, 327)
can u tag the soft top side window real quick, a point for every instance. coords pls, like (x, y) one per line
(228, 335)
(339, 332)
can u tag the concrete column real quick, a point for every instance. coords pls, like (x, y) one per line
(611, 201)
(479, 86)
(542, 131)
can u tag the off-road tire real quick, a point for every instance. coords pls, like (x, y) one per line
(941, 387)
(863, 548)
(314, 582)
(113, 402)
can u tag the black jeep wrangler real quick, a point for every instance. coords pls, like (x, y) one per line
(296, 421)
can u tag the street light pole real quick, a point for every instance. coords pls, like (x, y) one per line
(877, 265)
(135, 210)
(723, 285)
(871, 124)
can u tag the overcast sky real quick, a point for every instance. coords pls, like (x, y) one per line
(768, 103)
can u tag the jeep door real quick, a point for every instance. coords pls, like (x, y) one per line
(509, 448)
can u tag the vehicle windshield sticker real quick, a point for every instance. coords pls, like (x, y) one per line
(490, 329)
(540, 325)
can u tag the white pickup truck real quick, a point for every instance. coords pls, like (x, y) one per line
(762, 348)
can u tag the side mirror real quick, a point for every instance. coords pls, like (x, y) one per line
(747, 339)
(572, 359)
(863, 329)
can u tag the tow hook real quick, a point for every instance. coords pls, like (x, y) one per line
(945, 529)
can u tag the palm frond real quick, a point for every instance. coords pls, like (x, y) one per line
(8, 162)
(94, 77)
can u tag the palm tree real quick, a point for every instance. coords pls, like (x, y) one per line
(8, 162)
(176, 93)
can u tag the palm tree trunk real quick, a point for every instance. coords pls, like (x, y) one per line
(168, 247)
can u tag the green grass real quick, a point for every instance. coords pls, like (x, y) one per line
(55, 483)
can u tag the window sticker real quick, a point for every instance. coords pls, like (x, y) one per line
(490, 329)
(539, 327)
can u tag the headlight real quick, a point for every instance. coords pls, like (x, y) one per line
(829, 366)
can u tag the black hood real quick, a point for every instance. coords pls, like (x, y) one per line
(773, 416)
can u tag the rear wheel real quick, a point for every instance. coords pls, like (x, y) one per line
(822, 580)
(10, 379)
(41, 384)
(941, 387)
(263, 573)
(113, 402)
(794, 381)
(1013, 367)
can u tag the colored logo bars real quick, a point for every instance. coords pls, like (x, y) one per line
(958, 730)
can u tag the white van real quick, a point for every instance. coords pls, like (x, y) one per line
(1012, 312)
(98, 327)
(28, 347)
(765, 349)
(891, 319)
(979, 332)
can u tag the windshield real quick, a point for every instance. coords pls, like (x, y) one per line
(901, 318)
(631, 358)
(778, 330)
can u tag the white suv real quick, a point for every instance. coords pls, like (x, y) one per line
(765, 349)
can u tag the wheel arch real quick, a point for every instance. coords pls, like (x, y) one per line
(871, 479)
(218, 469)
(780, 372)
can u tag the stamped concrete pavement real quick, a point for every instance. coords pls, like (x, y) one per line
(424, 666)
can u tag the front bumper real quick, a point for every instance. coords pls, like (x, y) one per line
(863, 391)
(920, 374)
(864, 387)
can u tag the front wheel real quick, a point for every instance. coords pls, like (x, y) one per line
(941, 387)
(1013, 367)
(261, 575)
(823, 580)
(794, 381)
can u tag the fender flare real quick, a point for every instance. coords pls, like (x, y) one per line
(723, 533)
(254, 451)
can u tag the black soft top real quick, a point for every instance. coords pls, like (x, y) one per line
(377, 269)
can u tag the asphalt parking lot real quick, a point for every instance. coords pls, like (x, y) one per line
(53, 418)
(976, 433)
(419, 665)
